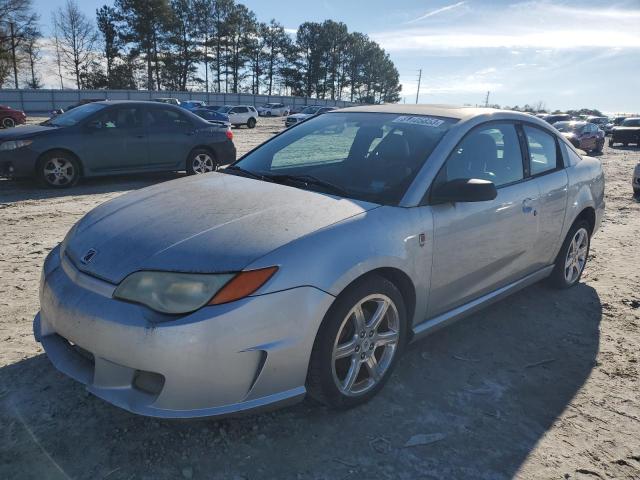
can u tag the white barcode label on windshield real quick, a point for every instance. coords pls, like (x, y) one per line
(426, 121)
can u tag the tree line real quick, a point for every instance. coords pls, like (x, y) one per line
(199, 45)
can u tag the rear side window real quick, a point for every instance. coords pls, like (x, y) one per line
(491, 152)
(543, 154)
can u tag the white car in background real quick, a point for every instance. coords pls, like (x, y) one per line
(273, 110)
(241, 115)
(308, 112)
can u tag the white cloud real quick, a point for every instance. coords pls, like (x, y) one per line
(437, 11)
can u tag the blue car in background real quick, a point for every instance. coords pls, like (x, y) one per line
(192, 105)
(212, 116)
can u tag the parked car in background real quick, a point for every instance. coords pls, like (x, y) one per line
(600, 122)
(556, 117)
(251, 287)
(241, 115)
(170, 101)
(636, 181)
(212, 116)
(628, 132)
(616, 122)
(10, 117)
(306, 113)
(583, 135)
(213, 107)
(108, 138)
(273, 110)
(193, 104)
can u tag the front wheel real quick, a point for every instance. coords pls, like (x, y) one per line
(8, 122)
(358, 345)
(251, 123)
(201, 161)
(572, 258)
(58, 170)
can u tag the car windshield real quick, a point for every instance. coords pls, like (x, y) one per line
(365, 156)
(631, 122)
(310, 110)
(568, 126)
(75, 116)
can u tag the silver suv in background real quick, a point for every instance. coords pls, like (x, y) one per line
(241, 115)
(308, 112)
(273, 110)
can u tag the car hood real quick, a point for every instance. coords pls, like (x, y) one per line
(208, 223)
(24, 131)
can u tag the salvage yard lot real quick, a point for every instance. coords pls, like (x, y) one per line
(544, 384)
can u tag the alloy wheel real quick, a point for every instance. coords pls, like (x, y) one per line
(8, 122)
(59, 171)
(366, 344)
(576, 255)
(203, 163)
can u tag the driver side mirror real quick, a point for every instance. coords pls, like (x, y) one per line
(464, 190)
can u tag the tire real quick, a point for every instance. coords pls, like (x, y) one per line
(8, 122)
(599, 146)
(201, 161)
(625, 144)
(251, 123)
(560, 277)
(363, 350)
(611, 142)
(58, 169)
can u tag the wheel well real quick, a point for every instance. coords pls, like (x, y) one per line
(68, 152)
(402, 282)
(588, 215)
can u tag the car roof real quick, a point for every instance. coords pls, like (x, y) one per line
(450, 111)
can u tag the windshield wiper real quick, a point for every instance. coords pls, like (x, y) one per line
(311, 180)
(248, 173)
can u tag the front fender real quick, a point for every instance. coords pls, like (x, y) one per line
(332, 258)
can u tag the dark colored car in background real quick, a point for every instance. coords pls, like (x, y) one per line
(212, 116)
(583, 135)
(557, 117)
(628, 132)
(192, 105)
(10, 117)
(617, 121)
(600, 122)
(109, 138)
(59, 111)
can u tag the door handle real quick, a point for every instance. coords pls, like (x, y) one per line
(527, 206)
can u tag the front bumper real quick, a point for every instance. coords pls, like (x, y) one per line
(18, 163)
(217, 361)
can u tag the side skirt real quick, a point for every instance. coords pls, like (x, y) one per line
(431, 325)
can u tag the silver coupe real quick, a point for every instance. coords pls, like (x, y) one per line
(308, 265)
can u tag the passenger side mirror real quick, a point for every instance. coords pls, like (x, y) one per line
(464, 190)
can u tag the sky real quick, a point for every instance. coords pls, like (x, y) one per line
(565, 54)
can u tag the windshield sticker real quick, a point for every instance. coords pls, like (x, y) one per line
(426, 121)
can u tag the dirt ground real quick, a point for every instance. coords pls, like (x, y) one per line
(544, 384)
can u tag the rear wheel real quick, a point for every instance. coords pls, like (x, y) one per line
(573, 255)
(611, 142)
(8, 122)
(358, 344)
(251, 123)
(201, 161)
(58, 170)
(599, 145)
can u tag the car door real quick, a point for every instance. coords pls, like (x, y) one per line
(171, 137)
(239, 115)
(115, 140)
(481, 246)
(546, 167)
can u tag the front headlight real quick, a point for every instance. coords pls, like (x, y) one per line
(14, 144)
(180, 293)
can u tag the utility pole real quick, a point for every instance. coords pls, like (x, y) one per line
(13, 53)
(486, 100)
(418, 92)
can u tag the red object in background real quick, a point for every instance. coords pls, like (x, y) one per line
(10, 117)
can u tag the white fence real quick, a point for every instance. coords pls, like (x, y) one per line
(34, 101)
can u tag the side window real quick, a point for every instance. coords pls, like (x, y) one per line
(542, 150)
(489, 152)
(119, 118)
(241, 109)
(167, 118)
